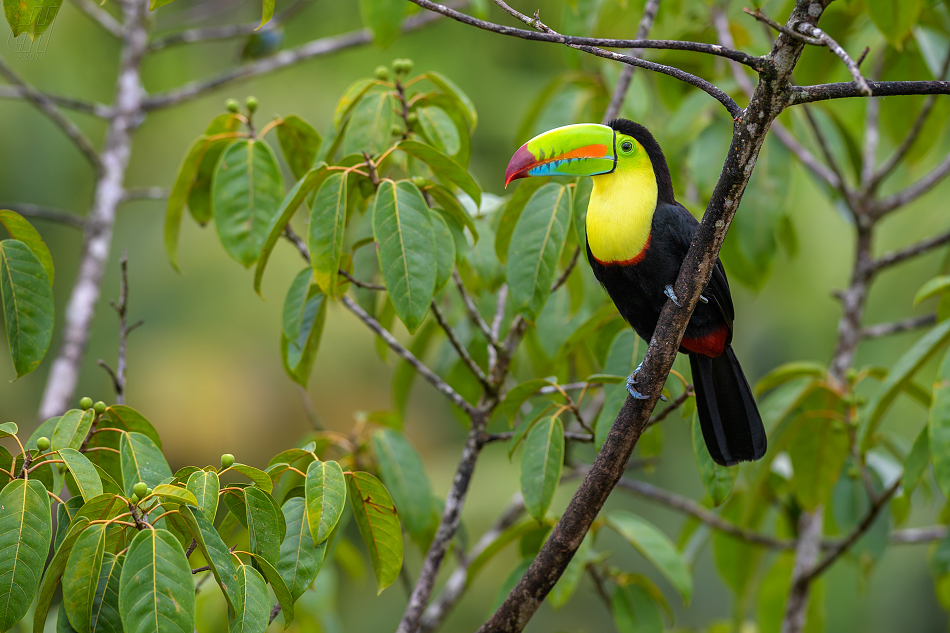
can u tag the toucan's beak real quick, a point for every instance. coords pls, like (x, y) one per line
(584, 149)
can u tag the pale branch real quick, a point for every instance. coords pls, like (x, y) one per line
(229, 31)
(100, 16)
(48, 107)
(807, 550)
(914, 191)
(872, 137)
(495, 329)
(713, 91)
(896, 257)
(97, 235)
(571, 386)
(460, 348)
(696, 269)
(457, 583)
(315, 48)
(87, 107)
(145, 193)
(626, 73)
(44, 213)
(844, 90)
(912, 536)
(473, 313)
(359, 283)
(886, 329)
(825, 148)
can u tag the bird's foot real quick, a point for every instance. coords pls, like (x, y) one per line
(668, 291)
(631, 383)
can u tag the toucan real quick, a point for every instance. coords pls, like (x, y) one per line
(637, 238)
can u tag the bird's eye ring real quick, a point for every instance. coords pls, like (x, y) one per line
(626, 147)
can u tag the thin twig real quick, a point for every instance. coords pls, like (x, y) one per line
(460, 348)
(914, 191)
(229, 31)
(145, 193)
(87, 107)
(829, 158)
(473, 312)
(912, 536)
(44, 213)
(562, 279)
(896, 327)
(626, 73)
(847, 89)
(673, 406)
(896, 257)
(99, 15)
(121, 308)
(495, 329)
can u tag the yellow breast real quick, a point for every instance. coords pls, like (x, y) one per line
(620, 213)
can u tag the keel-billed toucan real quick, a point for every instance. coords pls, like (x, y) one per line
(637, 238)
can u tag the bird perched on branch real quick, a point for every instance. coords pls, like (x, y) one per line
(637, 238)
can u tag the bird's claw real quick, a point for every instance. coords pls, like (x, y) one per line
(631, 382)
(668, 291)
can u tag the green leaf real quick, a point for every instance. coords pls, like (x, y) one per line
(155, 4)
(452, 208)
(635, 610)
(350, 98)
(466, 107)
(125, 417)
(444, 167)
(105, 606)
(287, 209)
(305, 310)
(156, 589)
(938, 426)
(72, 429)
(327, 227)
(718, 480)
(267, 14)
(655, 547)
(383, 18)
(19, 229)
(579, 202)
(541, 465)
(32, 17)
(81, 577)
(205, 485)
(299, 563)
(818, 450)
(444, 251)
(378, 524)
(279, 586)
(214, 550)
(404, 475)
(934, 287)
(175, 494)
(26, 529)
(53, 571)
(141, 461)
(894, 18)
(402, 227)
(519, 394)
(535, 249)
(325, 491)
(27, 299)
(917, 461)
(84, 473)
(254, 612)
(511, 213)
(223, 128)
(439, 129)
(261, 479)
(263, 525)
(567, 584)
(901, 373)
(246, 196)
(299, 143)
(371, 126)
(788, 372)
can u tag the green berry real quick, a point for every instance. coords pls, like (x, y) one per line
(232, 105)
(99, 407)
(397, 65)
(42, 443)
(412, 117)
(407, 65)
(227, 460)
(85, 403)
(134, 498)
(395, 129)
(382, 73)
(251, 104)
(140, 489)
(419, 181)
(148, 491)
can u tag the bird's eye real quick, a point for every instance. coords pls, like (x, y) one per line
(626, 147)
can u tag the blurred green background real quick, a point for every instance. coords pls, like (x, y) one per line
(206, 369)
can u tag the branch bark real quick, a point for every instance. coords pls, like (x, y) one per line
(95, 109)
(44, 213)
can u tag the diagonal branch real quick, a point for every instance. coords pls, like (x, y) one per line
(626, 73)
(460, 348)
(51, 110)
(830, 159)
(99, 15)
(44, 213)
(886, 329)
(914, 191)
(896, 257)
(95, 109)
(849, 89)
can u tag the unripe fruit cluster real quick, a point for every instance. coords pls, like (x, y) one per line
(402, 66)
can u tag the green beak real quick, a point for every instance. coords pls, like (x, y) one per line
(584, 149)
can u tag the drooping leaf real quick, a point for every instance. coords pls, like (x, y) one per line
(105, 606)
(19, 229)
(788, 372)
(27, 299)
(370, 126)
(403, 473)
(299, 563)
(72, 428)
(156, 589)
(655, 547)
(267, 13)
(175, 494)
(125, 417)
(934, 287)
(351, 96)
(378, 524)
(305, 309)
(205, 485)
(219, 134)
(452, 208)
(26, 529)
(443, 166)
(938, 426)
(818, 450)
(141, 461)
(299, 143)
(327, 226)
(439, 129)
(541, 465)
(325, 491)
(718, 480)
(402, 227)
(635, 610)
(54, 571)
(383, 18)
(214, 550)
(466, 107)
(263, 525)
(32, 17)
(519, 394)
(511, 213)
(252, 616)
(444, 251)
(261, 479)
(83, 471)
(535, 249)
(81, 577)
(279, 586)
(246, 196)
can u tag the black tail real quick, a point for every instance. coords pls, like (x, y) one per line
(731, 424)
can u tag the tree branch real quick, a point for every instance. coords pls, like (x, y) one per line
(896, 327)
(51, 110)
(121, 309)
(806, 553)
(145, 193)
(914, 191)
(896, 257)
(911, 536)
(100, 16)
(830, 159)
(626, 73)
(44, 213)
(95, 109)
(844, 90)
(473, 312)
(460, 349)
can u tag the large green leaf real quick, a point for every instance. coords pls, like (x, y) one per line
(444, 251)
(54, 571)
(452, 208)
(404, 475)
(446, 85)
(156, 589)
(635, 611)
(541, 465)
(939, 427)
(141, 461)
(402, 227)
(279, 586)
(439, 129)
(370, 126)
(818, 450)
(894, 18)
(81, 577)
(252, 616)
(444, 167)
(327, 226)
(27, 299)
(383, 18)
(246, 196)
(655, 547)
(214, 550)
(535, 248)
(105, 616)
(263, 525)
(204, 484)
(299, 143)
(125, 417)
(299, 563)
(305, 310)
(511, 213)
(175, 494)
(19, 229)
(936, 286)
(72, 429)
(222, 129)
(351, 96)
(325, 491)
(83, 471)
(287, 209)
(718, 480)
(26, 529)
(378, 524)
(32, 17)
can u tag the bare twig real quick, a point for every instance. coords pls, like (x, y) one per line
(495, 329)
(99, 15)
(229, 31)
(44, 213)
(673, 406)
(914, 191)
(473, 312)
(145, 193)
(849, 89)
(504, 436)
(896, 327)
(830, 159)
(806, 553)
(562, 279)
(95, 109)
(121, 309)
(460, 348)
(911, 536)
(626, 73)
(51, 110)
(896, 257)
